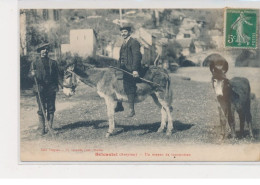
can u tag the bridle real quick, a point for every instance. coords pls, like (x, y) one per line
(72, 84)
(74, 78)
(221, 77)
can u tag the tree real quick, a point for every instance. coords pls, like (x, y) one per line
(172, 52)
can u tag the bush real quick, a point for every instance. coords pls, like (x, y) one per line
(248, 58)
(101, 61)
(98, 61)
(172, 51)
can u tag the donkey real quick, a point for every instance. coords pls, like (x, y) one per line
(109, 86)
(232, 95)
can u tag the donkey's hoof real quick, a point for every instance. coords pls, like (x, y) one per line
(160, 130)
(51, 132)
(251, 137)
(168, 132)
(233, 136)
(108, 134)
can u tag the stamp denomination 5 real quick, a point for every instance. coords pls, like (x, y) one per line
(241, 28)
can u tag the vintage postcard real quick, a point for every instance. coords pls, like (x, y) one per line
(140, 84)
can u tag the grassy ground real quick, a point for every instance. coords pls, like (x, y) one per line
(81, 123)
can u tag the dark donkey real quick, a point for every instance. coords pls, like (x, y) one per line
(232, 95)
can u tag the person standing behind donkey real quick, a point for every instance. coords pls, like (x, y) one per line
(130, 61)
(46, 72)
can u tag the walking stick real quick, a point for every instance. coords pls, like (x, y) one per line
(138, 77)
(81, 79)
(43, 111)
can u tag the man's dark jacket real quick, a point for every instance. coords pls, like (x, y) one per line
(50, 80)
(133, 54)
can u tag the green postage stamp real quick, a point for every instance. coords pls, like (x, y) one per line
(241, 28)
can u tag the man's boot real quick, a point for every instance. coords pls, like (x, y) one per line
(41, 125)
(50, 118)
(131, 99)
(119, 107)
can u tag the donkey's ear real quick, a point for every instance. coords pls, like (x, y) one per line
(211, 67)
(225, 67)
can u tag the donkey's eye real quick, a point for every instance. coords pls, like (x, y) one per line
(214, 80)
(67, 74)
(71, 68)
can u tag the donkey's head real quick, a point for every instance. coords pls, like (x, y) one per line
(69, 80)
(218, 67)
(74, 73)
(217, 63)
(220, 84)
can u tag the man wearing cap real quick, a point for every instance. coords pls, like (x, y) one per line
(46, 72)
(130, 60)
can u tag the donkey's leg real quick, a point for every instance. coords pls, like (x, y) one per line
(168, 112)
(156, 101)
(223, 122)
(170, 122)
(249, 122)
(163, 120)
(111, 104)
(231, 122)
(163, 113)
(242, 122)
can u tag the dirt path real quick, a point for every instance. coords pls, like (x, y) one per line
(28, 111)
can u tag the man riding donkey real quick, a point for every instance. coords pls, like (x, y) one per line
(130, 61)
(45, 71)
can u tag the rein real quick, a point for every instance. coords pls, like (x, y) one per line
(219, 76)
(72, 83)
(81, 79)
(138, 77)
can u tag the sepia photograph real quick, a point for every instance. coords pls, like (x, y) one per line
(139, 85)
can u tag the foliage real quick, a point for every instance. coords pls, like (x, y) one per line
(149, 24)
(25, 81)
(39, 30)
(172, 52)
(98, 61)
(106, 31)
(247, 58)
(34, 37)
